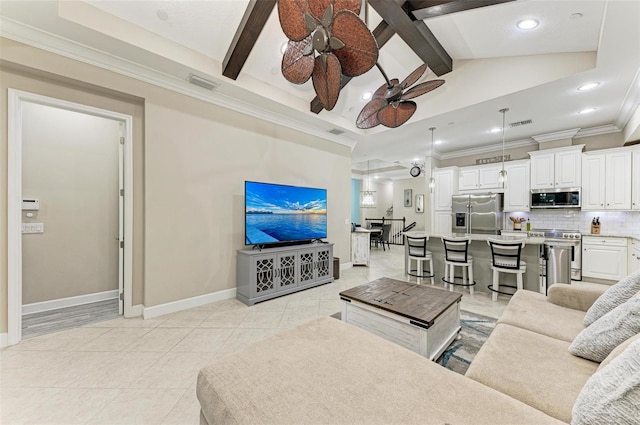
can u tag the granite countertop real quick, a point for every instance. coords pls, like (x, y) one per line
(480, 237)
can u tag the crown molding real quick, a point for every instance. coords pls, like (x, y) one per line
(25, 34)
(556, 135)
(596, 131)
(630, 104)
(487, 149)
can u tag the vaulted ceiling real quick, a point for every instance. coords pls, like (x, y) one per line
(474, 45)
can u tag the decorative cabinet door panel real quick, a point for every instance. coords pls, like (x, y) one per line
(324, 262)
(287, 270)
(265, 275)
(306, 265)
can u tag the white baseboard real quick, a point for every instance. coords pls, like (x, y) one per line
(175, 306)
(4, 341)
(69, 302)
(136, 311)
(346, 266)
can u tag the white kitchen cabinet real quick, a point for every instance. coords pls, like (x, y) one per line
(593, 182)
(556, 168)
(635, 180)
(480, 177)
(633, 262)
(606, 181)
(618, 180)
(604, 258)
(442, 221)
(446, 184)
(517, 189)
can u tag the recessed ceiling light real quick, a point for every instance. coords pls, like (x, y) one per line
(528, 24)
(438, 142)
(588, 86)
(494, 130)
(367, 95)
(162, 14)
(283, 48)
(576, 15)
(416, 159)
(376, 177)
(587, 110)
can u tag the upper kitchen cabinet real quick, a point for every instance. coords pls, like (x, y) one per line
(635, 180)
(517, 190)
(607, 180)
(556, 168)
(479, 178)
(446, 180)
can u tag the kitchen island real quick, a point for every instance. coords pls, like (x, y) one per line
(481, 252)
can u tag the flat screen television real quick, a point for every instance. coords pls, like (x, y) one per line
(279, 214)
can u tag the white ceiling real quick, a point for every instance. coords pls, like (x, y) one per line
(533, 73)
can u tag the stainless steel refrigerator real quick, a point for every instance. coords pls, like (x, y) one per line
(477, 213)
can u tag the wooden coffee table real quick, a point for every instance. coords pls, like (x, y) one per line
(425, 320)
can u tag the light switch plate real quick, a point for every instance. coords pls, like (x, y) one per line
(32, 227)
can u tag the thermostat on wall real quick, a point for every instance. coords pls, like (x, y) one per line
(30, 204)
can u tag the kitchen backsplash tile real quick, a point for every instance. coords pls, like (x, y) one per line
(623, 223)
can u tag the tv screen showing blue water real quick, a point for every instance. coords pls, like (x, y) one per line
(278, 213)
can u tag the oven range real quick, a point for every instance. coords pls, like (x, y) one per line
(573, 237)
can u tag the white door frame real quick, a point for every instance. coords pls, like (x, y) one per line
(14, 202)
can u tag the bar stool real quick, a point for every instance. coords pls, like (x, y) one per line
(456, 253)
(417, 250)
(505, 258)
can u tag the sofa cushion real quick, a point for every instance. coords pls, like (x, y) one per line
(326, 371)
(576, 296)
(618, 350)
(613, 297)
(533, 368)
(612, 395)
(598, 340)
(531, 310)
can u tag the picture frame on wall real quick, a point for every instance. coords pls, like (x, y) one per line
(408, 194)
(420, 203)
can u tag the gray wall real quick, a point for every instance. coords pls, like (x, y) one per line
(70, 163)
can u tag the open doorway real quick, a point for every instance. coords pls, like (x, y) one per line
(68, 210)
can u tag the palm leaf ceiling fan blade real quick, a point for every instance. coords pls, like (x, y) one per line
(291, 14)
(326, 83)
(394, 116)
(368, 117)
(297, 66)
(421, 89)
(414, 76)
(360, 52)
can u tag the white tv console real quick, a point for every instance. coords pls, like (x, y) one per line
(272, 272)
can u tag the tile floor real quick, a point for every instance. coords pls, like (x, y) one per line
(134, 371)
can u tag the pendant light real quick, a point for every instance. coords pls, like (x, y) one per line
(502, 177)
(367, 196)
(432, 181)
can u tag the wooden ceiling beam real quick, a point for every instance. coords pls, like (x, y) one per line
(382, 33)
(423, 9)
(253, 21)
(416, 34)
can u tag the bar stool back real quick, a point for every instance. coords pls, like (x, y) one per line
(456, 254)
(506, 258)
(417, 251)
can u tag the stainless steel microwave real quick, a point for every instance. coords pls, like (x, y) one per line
(556, 198)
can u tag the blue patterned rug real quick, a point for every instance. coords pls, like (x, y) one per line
(475, 331)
